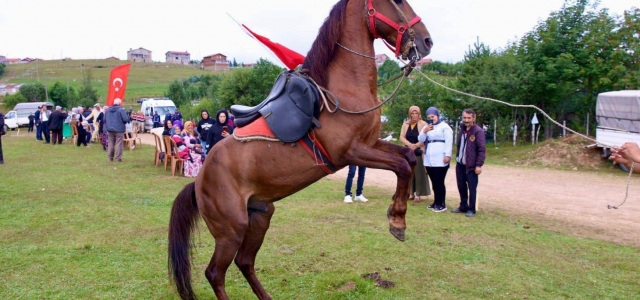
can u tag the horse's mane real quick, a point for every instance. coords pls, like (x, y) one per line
(323, 48)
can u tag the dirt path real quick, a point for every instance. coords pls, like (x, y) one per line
(568, 201)
(574, 202)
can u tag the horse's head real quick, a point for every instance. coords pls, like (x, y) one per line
(397, 24)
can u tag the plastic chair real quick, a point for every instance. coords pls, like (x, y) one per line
(158, 149)
(176, 161)
(74, 134)
(168, 157)
(136, 139)
(128, 139)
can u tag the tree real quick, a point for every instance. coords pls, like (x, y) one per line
(33, 92)
(178, 93)
(625, 55)
(388, 70)
(2, 67)
(248, 86)
(11, 100)
(559, 66)
(87, 94)
(63, 96)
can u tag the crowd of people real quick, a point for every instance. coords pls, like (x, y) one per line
(104, 125)
(195, 141)
(432, 143)
(109, 126)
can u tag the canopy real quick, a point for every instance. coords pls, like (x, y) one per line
(619, 110)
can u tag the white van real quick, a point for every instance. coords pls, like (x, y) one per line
(19, 116)
(151, 106)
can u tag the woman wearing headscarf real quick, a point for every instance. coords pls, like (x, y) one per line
(409, 138)
(438, 138)
(220, 130)
(193, 164)
(203, 127)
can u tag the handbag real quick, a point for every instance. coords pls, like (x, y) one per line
(417, 152)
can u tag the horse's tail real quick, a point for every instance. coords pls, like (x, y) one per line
(184, 217)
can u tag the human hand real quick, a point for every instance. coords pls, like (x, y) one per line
(478, 170)
(626, 153)
(225, 134)
(428, 128)
(447, 159)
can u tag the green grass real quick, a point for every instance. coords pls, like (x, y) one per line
(75, 226)
(145, 79)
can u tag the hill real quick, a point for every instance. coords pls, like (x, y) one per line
(145, 79)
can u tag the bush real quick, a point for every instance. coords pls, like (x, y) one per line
(11, 100)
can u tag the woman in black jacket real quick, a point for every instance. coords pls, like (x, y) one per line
(168, 127)
(220, 130)
(203, 128)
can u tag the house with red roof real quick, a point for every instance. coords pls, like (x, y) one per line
(215, 62)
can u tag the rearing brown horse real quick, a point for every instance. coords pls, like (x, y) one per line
(263, 172)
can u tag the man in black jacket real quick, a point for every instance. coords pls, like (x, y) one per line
(38, 127)
(2, 132)
(55, 125)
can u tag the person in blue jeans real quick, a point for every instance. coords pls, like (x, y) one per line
(348, 198)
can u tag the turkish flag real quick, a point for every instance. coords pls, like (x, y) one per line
(289, 58)
(118, 83)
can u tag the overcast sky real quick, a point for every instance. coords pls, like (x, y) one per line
(81, 29)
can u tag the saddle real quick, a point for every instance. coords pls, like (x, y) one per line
(289, 110)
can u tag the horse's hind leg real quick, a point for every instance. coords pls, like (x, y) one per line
(228, 229)
(254, 236)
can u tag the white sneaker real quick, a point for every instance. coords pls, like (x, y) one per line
(348, 199)
(361, 198)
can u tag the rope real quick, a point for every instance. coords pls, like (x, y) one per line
(543, 113)
(627, 192)
(338, 107)
(392, 79)
(514, 105)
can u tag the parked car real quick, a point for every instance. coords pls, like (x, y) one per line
(19, 116)
(150, 106)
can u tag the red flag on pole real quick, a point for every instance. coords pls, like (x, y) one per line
(289, 58)
(118, 83)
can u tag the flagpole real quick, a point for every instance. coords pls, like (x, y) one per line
(277, 60)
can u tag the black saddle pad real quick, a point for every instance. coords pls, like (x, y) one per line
(288, 110)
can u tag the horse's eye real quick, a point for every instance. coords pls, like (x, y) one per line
(398, 1)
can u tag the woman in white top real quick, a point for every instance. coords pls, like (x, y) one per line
(438, 139)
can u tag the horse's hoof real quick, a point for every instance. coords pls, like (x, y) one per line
(397, 233)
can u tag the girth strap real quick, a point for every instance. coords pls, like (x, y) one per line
(315, 149)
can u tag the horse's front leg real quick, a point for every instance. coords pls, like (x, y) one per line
(400, 160)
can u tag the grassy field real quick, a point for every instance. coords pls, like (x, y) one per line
(75, 226)
(145, 79)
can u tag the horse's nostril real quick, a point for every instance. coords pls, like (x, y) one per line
(429, 42)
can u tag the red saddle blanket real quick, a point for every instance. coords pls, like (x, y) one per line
(256, 130)
(259, 130)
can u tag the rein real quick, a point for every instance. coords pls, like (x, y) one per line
(329, 97)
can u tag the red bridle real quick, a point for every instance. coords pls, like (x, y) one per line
(373, 14)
